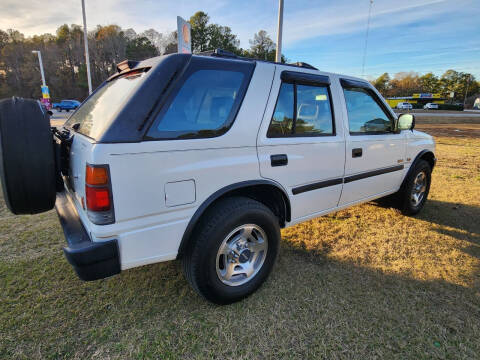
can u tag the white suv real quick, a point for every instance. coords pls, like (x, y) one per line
(204, 158)
(430, 106)
(404, 106)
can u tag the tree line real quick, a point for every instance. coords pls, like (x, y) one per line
(407, 83)
(64, 60)
(65, 69)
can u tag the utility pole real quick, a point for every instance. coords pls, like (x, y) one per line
(366, 39)
(41, 66)
(466, 91)
(87, 57)
(278, 54)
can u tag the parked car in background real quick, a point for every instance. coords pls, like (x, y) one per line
(476, 104)
(405, 106)
(431, 106)
(66, 105)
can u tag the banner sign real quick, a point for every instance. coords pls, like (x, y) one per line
(45, 92)
(427, 95)
(183, 36)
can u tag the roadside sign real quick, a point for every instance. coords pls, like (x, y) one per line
(46, 97)
(183, 36)
(45, 92)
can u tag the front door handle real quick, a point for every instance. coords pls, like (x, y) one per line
(357, 152)
(278, 160)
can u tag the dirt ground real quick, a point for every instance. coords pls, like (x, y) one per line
(471, 131)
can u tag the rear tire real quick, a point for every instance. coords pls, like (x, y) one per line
(235, 228)
(27, 161)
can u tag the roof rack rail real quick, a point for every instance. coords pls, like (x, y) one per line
(303, 64)
(231, 55)
(219, 53)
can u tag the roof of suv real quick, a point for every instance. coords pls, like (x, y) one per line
(129, 65)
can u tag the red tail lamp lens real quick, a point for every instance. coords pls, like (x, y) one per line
(98, 198)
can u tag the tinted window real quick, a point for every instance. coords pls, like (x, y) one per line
(364, 114)
(97, 112)
(312, 115)
(202, 106)
(282, 120)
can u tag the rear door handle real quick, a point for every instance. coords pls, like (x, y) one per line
(357, 152)
(278, 160)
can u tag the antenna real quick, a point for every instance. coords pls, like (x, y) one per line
(366, 38)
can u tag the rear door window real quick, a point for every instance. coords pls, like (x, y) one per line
(302, 110)
(204, 106)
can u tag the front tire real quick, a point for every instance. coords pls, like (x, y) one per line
(233, 251)
(414, 191)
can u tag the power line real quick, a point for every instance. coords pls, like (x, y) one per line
(366, 38)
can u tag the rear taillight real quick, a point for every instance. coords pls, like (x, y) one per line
(98, 194)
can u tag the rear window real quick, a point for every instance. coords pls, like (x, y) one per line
(98, 111)
(203, 107)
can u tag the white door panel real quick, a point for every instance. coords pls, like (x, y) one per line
(308, 163)
(374, 161)
(313, 175)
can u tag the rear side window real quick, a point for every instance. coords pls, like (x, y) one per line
(302, 110)
(204, 106)
(98, 111)
(365, 116)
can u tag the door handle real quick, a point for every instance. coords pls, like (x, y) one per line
(357, 152)
(278, 160)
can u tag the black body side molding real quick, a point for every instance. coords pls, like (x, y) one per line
(317, 185)
(373, 173)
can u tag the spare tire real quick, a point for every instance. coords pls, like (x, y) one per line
(27, 160)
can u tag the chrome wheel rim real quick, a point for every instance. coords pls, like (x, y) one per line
(419, 188)
(241, 255)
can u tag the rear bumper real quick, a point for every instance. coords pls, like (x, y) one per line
(91, 260)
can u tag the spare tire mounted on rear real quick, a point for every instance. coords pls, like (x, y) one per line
(27, 156)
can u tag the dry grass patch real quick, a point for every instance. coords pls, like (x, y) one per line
(365, 282)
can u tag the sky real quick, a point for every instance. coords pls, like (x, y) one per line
(405, 35)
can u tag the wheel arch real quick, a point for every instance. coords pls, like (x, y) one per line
(426, 155)
(267, 192)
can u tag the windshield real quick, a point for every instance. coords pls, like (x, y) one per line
(98, 111)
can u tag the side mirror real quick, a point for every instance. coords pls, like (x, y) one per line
(406, 122)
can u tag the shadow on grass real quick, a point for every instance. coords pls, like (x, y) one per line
(311, 307)
(454, 215)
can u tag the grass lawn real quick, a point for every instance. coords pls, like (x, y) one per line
(365, 282)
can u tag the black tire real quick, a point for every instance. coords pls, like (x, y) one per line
(68, 110)
(200, 258)
(405, 202)
(59, 109)
(27, 161)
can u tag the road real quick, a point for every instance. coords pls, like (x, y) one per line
(441, 114)
(58, 118)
